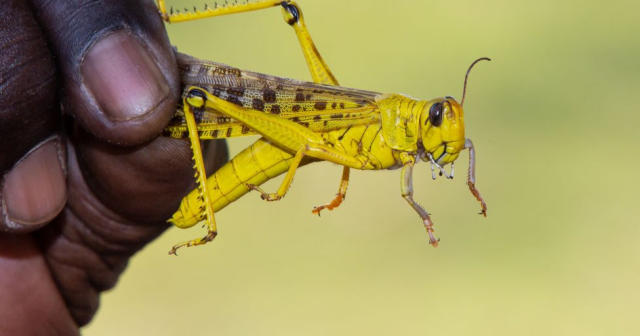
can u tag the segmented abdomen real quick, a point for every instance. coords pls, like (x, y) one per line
(255, 165)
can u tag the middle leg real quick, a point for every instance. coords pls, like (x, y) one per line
(320, 73)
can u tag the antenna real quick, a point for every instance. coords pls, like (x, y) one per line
(466, 77)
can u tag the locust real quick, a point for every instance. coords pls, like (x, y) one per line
(304, 122)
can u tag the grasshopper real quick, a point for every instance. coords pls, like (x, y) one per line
(303, 122)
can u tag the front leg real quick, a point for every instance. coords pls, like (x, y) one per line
(406, 184)
(471, 178)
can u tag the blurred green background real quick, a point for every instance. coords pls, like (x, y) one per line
(553, 117)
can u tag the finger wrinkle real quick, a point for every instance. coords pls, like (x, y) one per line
(24, 97)
(89, 269)
(81, 296)
(106, 232)
(80, 239)
(80, 271)
(17, 60)
(22, 61)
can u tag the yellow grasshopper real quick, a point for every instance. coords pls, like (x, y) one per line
(302, 122)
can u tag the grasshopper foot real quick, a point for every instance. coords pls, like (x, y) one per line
(432, 238)
(329, 206)
(476, 194)
(264, 195)
(194, 242)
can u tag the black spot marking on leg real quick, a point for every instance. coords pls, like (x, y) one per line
(275, 109)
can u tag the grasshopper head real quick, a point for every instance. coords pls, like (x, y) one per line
(442, 130)
(442, 126)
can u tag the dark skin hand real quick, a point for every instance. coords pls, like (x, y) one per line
(78, 201)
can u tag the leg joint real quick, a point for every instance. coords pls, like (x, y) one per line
(291, 12)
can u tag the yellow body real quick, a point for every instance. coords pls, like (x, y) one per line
(302, 122)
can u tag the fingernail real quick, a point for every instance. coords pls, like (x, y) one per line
(35, 189)
(122, 77)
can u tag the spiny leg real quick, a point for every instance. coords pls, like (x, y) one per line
(471, 178)
(407, 193)
(320, 73)
(201, 176)
(207, 12)
(292, 15)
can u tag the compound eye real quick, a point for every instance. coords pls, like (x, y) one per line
(435, 114)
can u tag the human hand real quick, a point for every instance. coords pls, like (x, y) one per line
(109, 64)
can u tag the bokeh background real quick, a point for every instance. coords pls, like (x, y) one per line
(555, 120)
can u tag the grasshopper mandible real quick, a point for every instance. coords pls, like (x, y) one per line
(302, 122)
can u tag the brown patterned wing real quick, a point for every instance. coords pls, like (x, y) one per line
(318, 107)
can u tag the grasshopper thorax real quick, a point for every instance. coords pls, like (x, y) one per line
(442, 130)
(428, 128)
